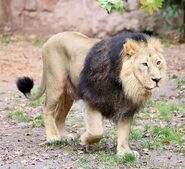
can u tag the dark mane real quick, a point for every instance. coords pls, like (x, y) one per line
(99, 82)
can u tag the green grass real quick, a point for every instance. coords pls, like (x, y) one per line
(167, 135)
(136, 134)
(38, 121)
(84, 161)
(5, 40)
(37, 41)
(113, 160)
(182, 149)
(21, 116)
(166, 110)
(180, 83)
(151, 144)
(161, 136)
(57, 143)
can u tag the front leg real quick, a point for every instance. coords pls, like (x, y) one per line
(94, 126)
(124, 128)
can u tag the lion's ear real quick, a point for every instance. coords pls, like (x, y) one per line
(131, 47)
(156, 44)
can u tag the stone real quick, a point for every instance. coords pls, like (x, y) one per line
(17, 5)
(31, 5)
(132, 5)
(47, 5)
(52, 16)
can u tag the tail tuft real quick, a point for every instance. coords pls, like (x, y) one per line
(25, 84)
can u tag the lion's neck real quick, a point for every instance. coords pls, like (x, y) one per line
(133, 89)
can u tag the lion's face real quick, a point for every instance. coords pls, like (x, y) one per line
(149, 68)
(148, 64)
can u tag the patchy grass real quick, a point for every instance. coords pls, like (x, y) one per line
(32, 39)
(84, 161)
(182, 149)
(106, 160)
(166, 110)
(37, 41)
(159, 136)
(21, 116)
(113, 160)
(5, 40)
(162, 110)
(150, 144)
(136, 134)
(180, 83)
(57, 143)
(38, 121)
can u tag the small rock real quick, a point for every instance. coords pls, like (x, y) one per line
(174, 76)
(180, 161)
(24, 162)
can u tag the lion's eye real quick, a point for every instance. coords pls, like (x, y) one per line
(145, 64)
(158, 62)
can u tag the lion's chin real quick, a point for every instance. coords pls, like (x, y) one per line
(149, 88)
(152, 88)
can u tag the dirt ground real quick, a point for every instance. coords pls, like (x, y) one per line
(21, 145)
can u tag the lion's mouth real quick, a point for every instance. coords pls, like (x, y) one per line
(151, 88)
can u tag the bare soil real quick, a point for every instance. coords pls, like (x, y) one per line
(21, 146)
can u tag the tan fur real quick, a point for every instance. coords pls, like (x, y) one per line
(136, 85)
(63, 56)
(94, 126)
(63, 59)
(123, 137)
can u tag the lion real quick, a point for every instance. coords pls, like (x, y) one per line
(114, 77)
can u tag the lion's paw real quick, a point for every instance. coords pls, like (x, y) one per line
(134, 153)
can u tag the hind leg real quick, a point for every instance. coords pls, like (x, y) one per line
(52, 133)
(63, 108)
(94, 126)
(57, 108)
(56, 104)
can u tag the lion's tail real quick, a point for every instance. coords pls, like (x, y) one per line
(25, 84)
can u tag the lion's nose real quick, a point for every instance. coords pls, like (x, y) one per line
(156, 79)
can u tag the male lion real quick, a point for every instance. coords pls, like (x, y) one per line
(114, 77)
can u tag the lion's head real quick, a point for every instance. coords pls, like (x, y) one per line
(144, 67)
